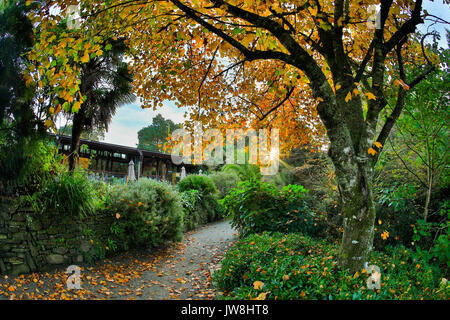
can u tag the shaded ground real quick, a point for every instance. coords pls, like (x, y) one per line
(181, 271)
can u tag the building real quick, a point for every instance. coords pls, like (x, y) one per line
(111, 160)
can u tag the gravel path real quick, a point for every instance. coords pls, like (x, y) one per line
(181, 271)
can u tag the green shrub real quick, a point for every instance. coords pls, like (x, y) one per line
(66, 193)
(298, 267)
(257, 206)
(147, 214)
(197, 182)
(192, 217)
(438, 234)
(28, 167)
(244, 171)
(224, 182)
(208, 208)
(397, 214)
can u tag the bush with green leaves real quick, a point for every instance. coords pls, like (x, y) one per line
(294, 267)
(192, 218)
(208, 207)
(432, 238)
(27, 168)
(146, 212)
(257, 206)
(67, 194)
(197, 182)
(224, 182)
(396, 214)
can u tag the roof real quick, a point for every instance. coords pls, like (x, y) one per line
(103, 146)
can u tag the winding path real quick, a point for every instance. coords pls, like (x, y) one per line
(181, 271)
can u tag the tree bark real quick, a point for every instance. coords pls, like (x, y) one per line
(358, 211)
(354, 173)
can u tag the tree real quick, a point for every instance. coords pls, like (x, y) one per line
(304, 66)
(19, 127)
(105, 84)
(420, 140)
(155, 135)
(94, 134)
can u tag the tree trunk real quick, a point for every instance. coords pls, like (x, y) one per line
(358, 209)
(428, 197)
(77, 130)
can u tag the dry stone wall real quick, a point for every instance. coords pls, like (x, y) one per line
(31, 241)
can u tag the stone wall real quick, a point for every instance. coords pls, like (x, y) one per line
(30, 241)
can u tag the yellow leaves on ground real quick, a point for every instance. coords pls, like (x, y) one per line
(258, 285)
(385, 235)
(261, 296)
(117, 215)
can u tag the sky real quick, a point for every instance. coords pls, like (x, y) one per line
(131, 118)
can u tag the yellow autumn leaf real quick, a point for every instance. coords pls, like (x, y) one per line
(355, 91)
(48, 123)
(85, 58)
(378, 144)
(117, 215)
(348, 97)
(258, 285)
(399, 82)
(76, 106)
(338, 87)
(313, 11)
(261, 296)
(371, 96)
(371, 151)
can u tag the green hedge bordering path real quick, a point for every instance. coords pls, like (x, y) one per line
(293, 266)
